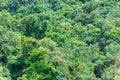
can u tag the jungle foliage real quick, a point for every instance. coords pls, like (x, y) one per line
(59, 39)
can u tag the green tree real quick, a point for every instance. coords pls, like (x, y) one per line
(38, 66)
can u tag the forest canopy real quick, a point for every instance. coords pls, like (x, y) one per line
(59, 40)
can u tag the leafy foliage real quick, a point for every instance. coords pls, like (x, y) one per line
(59, 39)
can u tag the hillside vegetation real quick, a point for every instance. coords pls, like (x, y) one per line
(59, 40)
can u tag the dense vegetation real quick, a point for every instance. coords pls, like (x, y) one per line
(59, 39)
